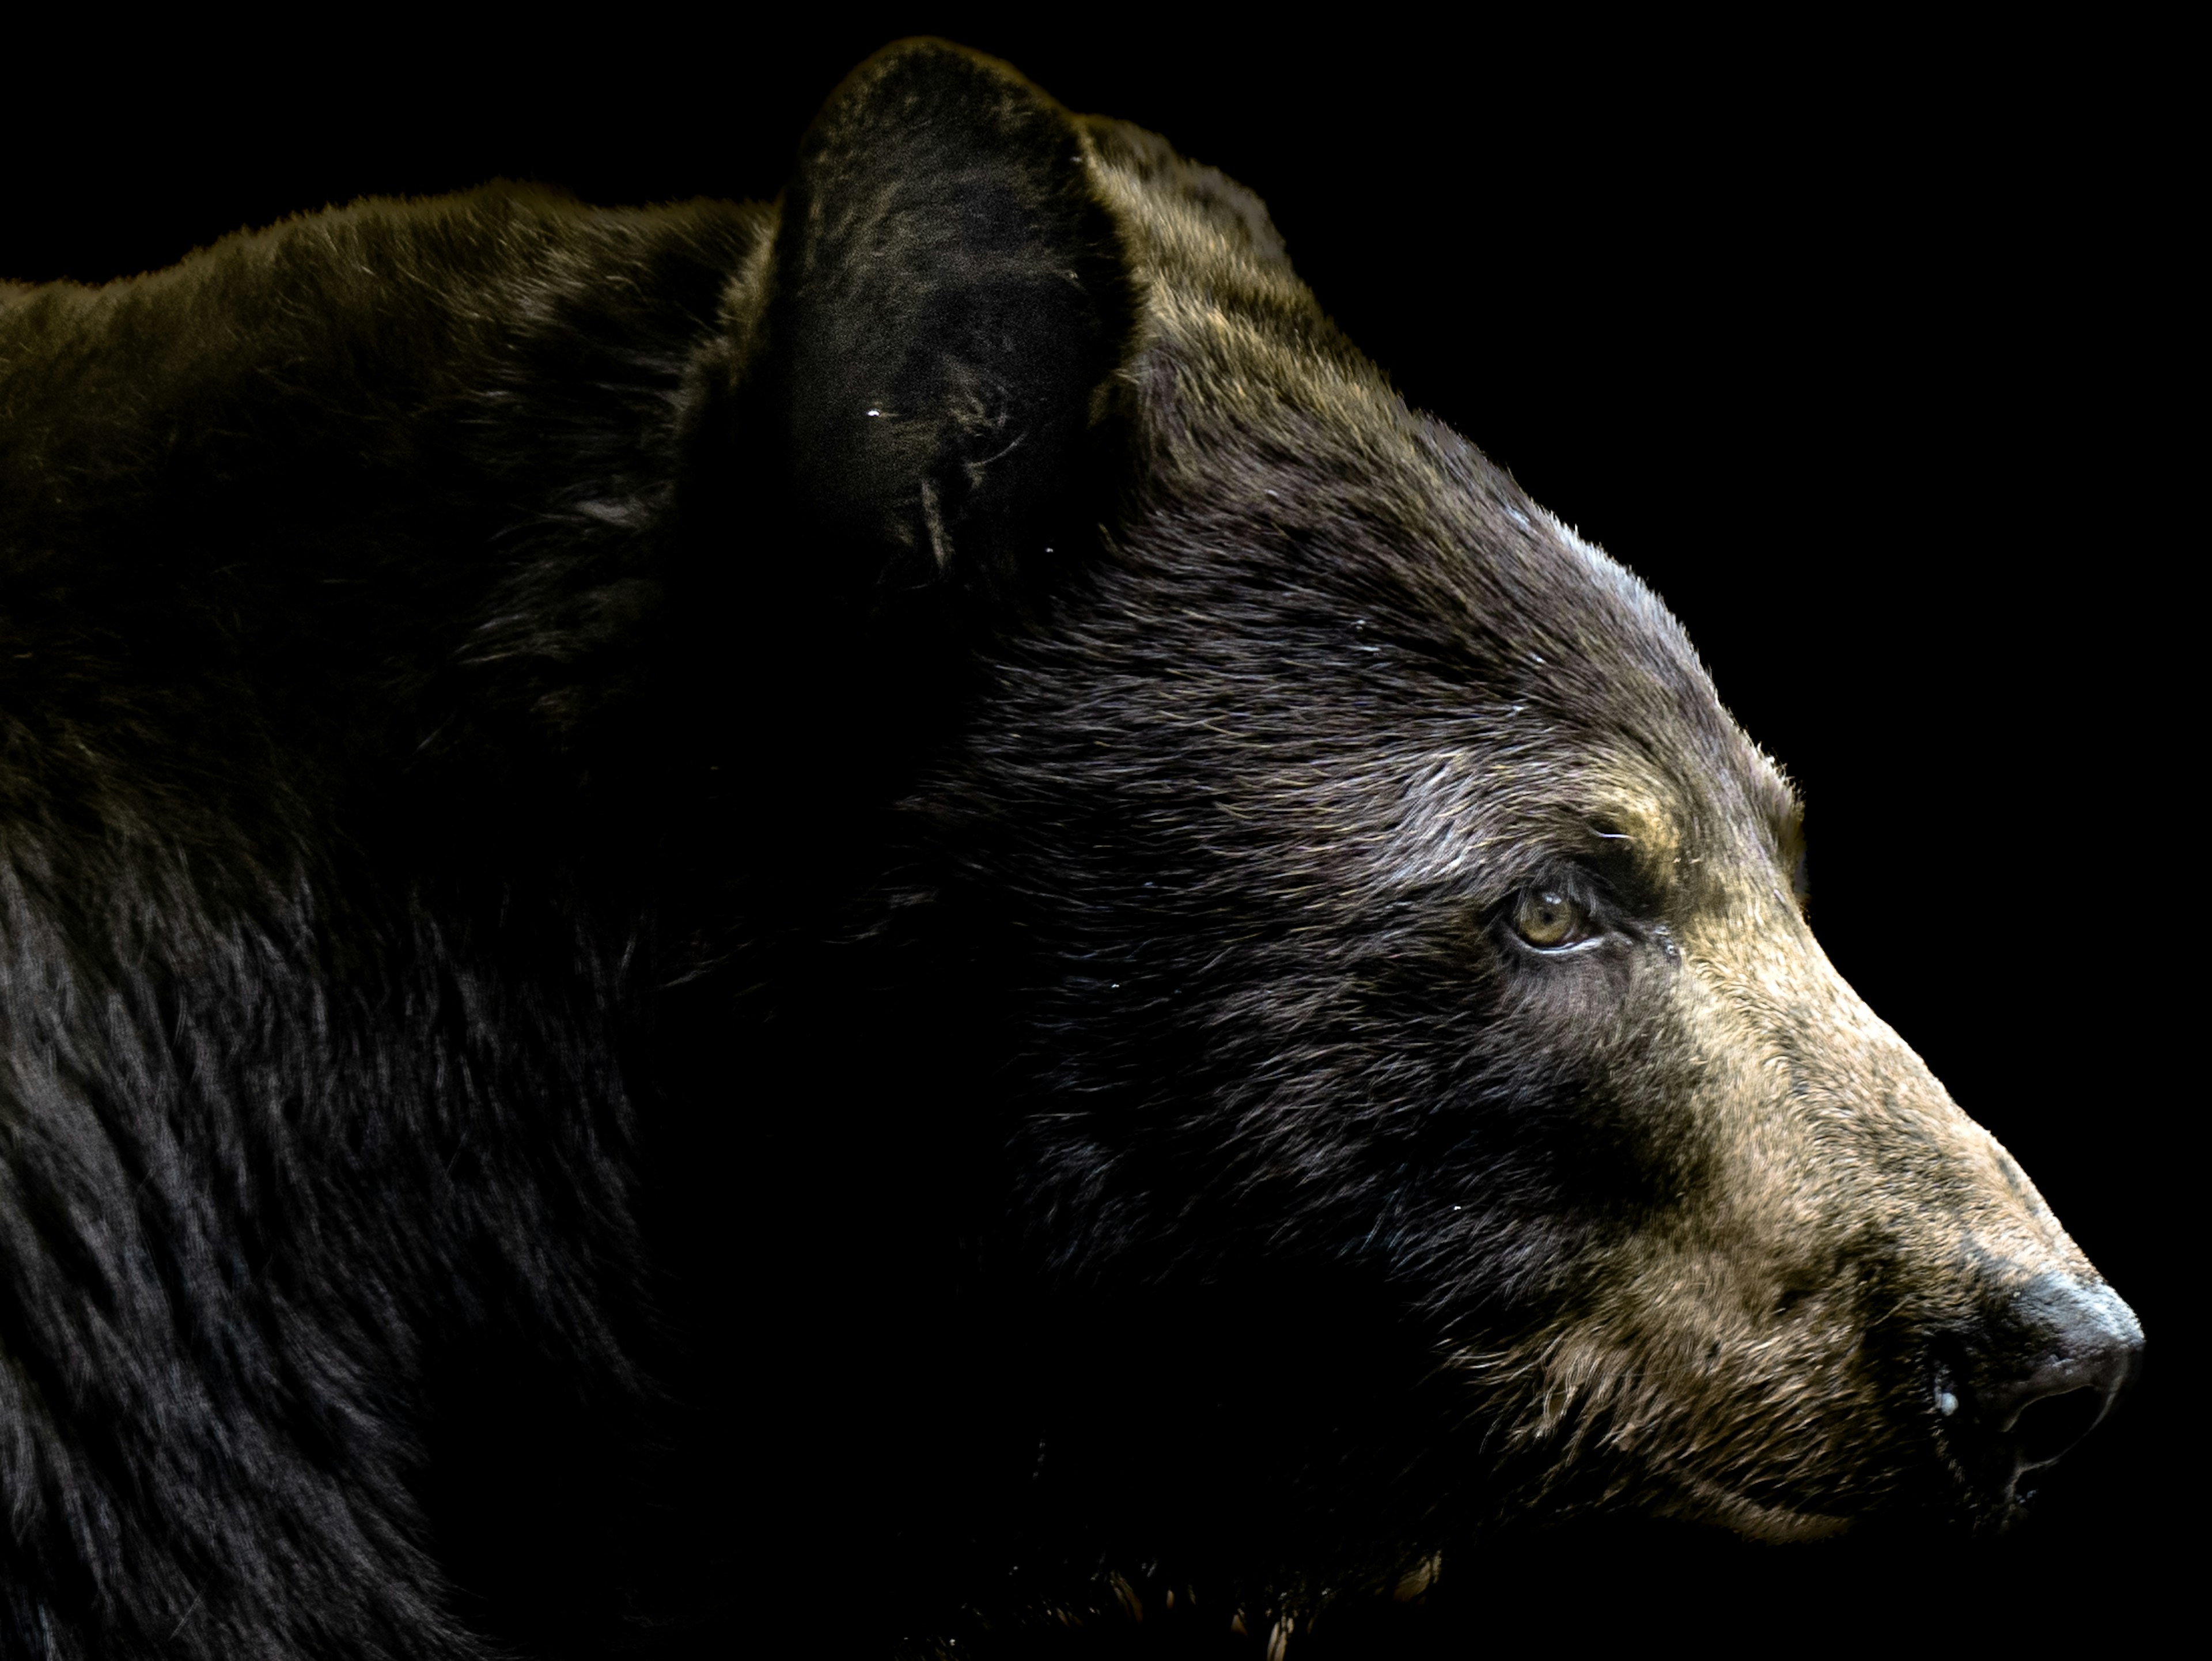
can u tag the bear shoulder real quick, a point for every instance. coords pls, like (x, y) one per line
(358, 318)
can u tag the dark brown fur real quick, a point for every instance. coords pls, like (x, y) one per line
(696, 891)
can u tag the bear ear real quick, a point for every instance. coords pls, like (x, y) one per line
(949, 294)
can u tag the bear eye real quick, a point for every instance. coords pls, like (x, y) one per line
(1547, 918)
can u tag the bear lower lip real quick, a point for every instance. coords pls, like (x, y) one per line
(1708, 1502)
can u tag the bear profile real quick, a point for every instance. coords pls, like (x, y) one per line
(898, 892)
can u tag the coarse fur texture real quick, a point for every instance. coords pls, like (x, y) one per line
(903, 878)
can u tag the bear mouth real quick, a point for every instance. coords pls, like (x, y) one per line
(1700, 1500)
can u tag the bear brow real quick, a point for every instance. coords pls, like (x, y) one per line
(1784, 808)
(1790, 830)
(1644, 838)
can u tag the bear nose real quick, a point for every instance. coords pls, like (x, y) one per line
(2054, 1361)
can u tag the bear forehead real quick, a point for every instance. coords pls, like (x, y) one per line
(1276, 461)
(1444, 640)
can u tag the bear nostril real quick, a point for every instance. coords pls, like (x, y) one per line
(2046, 1428)
(2037, 1378)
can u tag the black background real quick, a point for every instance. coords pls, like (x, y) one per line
(1854, 344)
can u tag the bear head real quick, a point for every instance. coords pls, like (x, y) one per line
(1328, 1049)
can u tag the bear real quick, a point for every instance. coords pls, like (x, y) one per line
(899, 892)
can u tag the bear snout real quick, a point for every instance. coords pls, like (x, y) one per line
(2040, 1374)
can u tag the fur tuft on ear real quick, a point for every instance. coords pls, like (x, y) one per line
(949, 294)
